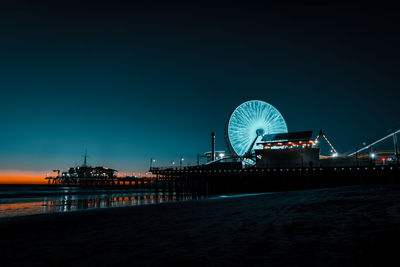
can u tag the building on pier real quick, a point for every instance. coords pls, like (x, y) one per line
(83, 174)
(88, 172)
(289, 150)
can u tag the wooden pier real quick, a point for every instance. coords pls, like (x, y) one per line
(218, 181)
(208, 181)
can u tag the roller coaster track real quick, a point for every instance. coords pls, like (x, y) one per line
(393, 134)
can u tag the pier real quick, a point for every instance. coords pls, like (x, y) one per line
(220, 180)
(113, 182)
(203, 180)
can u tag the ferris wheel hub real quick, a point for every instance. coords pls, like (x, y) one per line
(260, 132)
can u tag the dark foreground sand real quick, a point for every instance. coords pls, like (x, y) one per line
(327, 227)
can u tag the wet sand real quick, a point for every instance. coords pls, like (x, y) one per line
(327, 227)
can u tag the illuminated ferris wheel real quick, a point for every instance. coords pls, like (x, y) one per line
(249, 122)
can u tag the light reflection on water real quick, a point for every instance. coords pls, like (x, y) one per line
(68, 203)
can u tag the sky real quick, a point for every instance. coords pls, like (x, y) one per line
(129, 82)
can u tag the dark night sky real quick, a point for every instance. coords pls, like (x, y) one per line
(129, 82)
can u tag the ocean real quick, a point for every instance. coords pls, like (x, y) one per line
(22, 200)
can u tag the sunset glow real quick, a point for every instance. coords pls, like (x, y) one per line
(22, 177)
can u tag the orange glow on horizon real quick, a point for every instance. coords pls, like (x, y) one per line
(22, 177)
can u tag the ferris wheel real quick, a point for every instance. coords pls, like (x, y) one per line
(249, 122)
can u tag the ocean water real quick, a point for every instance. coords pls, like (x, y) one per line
(21, 200)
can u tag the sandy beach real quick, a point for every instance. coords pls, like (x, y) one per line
(350, 226)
